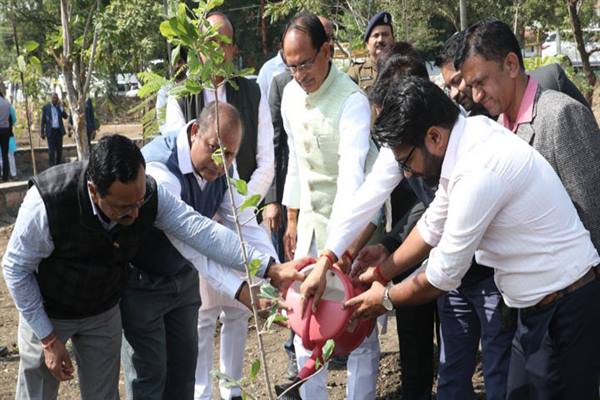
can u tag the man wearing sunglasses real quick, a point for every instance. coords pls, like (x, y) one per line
(67, 262)
(327, 119)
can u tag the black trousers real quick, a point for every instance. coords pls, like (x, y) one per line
(4, 137)
(55, 144)
(415, 327)
(556, 349)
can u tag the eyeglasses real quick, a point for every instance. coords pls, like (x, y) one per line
(403, 163)
(124, 211)
(305, 66)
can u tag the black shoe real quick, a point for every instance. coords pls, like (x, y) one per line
(291, 394)
(3, 351)
(338, 362)
(292, 367)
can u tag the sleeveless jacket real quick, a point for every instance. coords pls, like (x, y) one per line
(87, 270)
(157, 254)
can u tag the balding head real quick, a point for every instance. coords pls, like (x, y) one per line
(224, 26)
(204, 141)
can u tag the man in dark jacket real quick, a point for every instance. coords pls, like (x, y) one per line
(53, 128)
(68, 260)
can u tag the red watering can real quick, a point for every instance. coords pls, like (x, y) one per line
(330, 321)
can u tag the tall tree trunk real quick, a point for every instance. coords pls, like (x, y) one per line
(462, 6)
(263, 30)
(77, 88)
(26, 102)
(585, 56)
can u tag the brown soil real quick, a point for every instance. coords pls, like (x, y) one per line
(388, 385)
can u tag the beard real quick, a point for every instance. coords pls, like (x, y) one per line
(432, 169)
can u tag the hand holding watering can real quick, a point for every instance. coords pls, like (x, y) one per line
(319, 316)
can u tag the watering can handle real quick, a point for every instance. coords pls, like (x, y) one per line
(306, 342)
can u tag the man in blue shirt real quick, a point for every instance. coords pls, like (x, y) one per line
(69, 256)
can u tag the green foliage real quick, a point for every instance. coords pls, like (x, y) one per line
(217, 156)
(578, 77)
(254, 266)
(250, 202)
(268, 291)
(254, 368)
(240, 185)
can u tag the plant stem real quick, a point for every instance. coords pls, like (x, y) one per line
(238, 228)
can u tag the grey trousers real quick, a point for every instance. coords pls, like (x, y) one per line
(96, 346)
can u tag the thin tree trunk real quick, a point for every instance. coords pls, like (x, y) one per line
(77, 94)
(462, 7)
(26, 102)
(585, 56)
(263, 30)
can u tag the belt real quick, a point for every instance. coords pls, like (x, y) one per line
(590, 276)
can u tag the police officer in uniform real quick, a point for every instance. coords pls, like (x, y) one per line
(378, 35)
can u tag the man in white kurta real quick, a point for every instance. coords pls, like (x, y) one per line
(327, 118)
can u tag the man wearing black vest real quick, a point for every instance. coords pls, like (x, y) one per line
(67, 262)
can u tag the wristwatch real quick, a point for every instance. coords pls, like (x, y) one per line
(387, 303)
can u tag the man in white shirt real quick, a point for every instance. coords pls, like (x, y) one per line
(501, 200)
(271, 68)
(327, 119)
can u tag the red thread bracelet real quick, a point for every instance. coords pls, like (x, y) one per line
(329, 258)
(380, 275)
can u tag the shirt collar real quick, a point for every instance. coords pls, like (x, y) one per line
(106, 225)
(525, 113)
(451, 155)
(183, 154)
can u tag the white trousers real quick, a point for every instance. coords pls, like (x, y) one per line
(363, 367)
(12, 164)
(233, 342)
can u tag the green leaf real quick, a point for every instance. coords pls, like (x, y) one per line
(254, 266)
(250, 202)
(21, 64)
(268, 291)
(175, 54)
(182, 11)
(179, 91)
(254, 369)
(328, 349)
(36, 63)
(240, 185)
(193, 86)
(217, 156)
(318, 363)
(166, 30)
(30, 45)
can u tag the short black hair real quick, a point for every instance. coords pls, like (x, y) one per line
(490, 38)
(224, 16)
(399, 48)
(309, 24)
(113, 158)
(396, 67)
(413, 105)
(450, 50)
